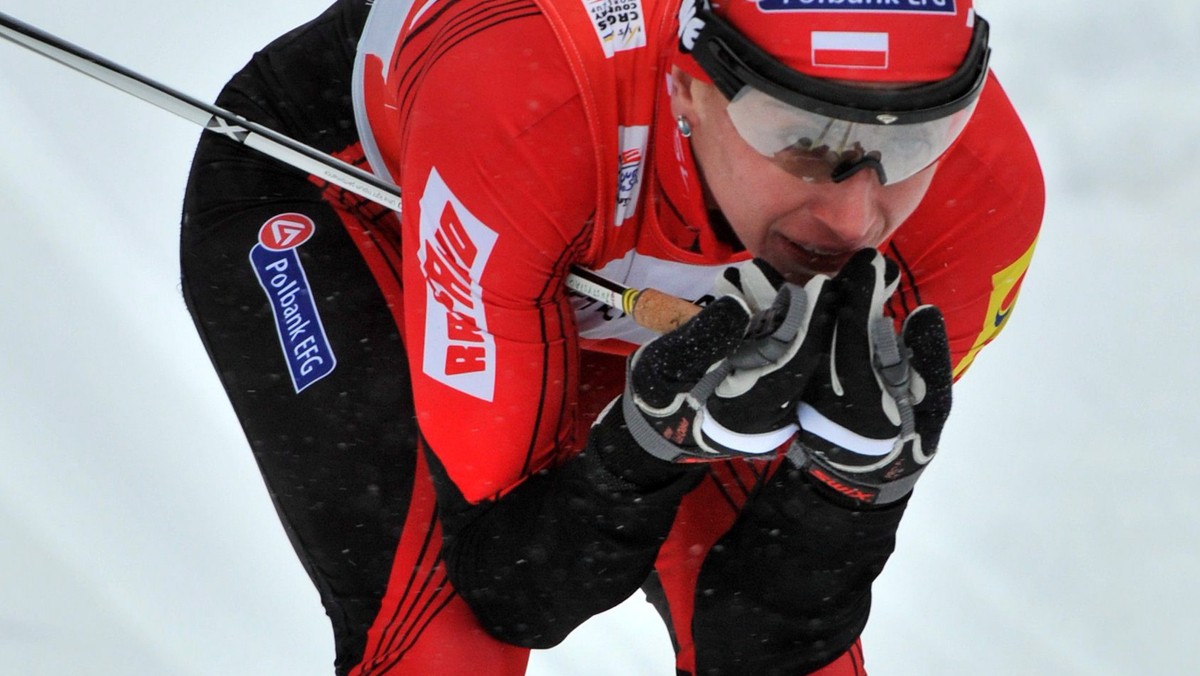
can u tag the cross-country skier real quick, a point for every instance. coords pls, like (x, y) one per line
(471, 461)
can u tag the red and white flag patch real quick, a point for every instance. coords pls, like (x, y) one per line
(843, 49)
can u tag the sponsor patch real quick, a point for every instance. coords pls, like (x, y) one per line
(632, 163)
(924, 6)
(454, 250)
(690, 25)
(620, 24)
(277, 265)
(850, 49)
(286, 231)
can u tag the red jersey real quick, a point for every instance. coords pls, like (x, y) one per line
(529, 137)
(496, 135)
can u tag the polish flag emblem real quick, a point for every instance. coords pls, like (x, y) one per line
(840, 49)
(286, 231)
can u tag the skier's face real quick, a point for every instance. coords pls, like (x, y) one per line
(800, 226)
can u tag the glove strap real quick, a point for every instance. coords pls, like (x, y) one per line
(711, 442)
(746, 444)
(854, 465)
(650, 439)
(813, 421)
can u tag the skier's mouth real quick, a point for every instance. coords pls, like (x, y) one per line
(809, 261)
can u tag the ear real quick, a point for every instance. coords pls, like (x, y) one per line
(682, 102)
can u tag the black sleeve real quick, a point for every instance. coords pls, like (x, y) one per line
(567, 543)
(788, 589)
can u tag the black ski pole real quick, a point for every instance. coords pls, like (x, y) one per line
(650, 308)
(210, 117)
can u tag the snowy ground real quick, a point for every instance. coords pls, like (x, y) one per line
(1058, 532)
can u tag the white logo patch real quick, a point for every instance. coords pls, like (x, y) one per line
(632, 162)
(454, 250)
(620, 24)
(689, 24)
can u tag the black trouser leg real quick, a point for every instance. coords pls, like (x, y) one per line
(338, 455)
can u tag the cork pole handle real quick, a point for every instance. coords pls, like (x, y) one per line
(658, 311)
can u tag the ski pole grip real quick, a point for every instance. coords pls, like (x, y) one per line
(658, 311)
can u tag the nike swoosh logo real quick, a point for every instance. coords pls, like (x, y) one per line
(1001, 317)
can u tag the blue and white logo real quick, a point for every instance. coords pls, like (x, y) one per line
(631, 164)
(277, 265)
(926, 6)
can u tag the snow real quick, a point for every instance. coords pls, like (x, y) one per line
(1058, 531)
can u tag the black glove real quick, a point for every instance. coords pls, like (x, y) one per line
(872, 416)
(727, 383)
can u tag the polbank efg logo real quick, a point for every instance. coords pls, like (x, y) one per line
(926, 6)
(277, 265)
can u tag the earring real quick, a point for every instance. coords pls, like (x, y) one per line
(684, 127)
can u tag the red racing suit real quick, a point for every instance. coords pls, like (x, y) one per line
(528, 137)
